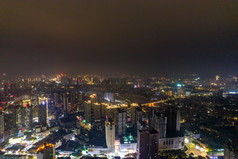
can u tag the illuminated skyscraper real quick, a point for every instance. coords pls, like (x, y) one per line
(110, 134)
(26, 113)
(43, 110)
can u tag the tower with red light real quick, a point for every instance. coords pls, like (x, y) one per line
(43, 110)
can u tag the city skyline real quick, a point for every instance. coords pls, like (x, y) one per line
(112, 79)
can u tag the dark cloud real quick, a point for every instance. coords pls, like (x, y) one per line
(139, 36)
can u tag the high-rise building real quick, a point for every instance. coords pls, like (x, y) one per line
(110, 133)
(103, 111)
(88, 111)
(6, 89)
(43, 110)
(174, 139)
(30, 116)
(77, 128)
(15, 116)
(93, 111)
(139, 114)
(96, 111)
(160, 124)
(65, 102)
(23, 116)
(13, 88)
(112, 113)
(173, 119)
(56, 99)
(148, 144)
(72, 104)
(80, 97)
(132, 108)
(121, 122)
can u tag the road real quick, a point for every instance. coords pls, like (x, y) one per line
(197, 149)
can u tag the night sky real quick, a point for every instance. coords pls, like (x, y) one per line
(125, 36)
